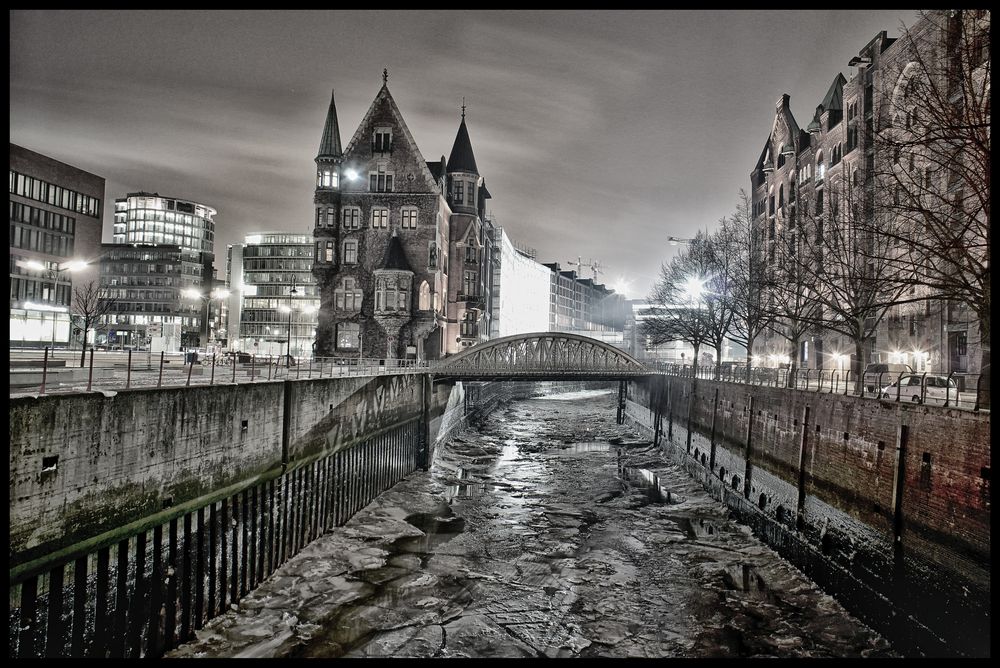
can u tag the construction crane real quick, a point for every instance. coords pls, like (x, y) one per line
(595, 266)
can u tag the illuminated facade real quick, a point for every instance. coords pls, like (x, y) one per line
(402, 259)
(581, 306)
(260, 276)
(147, 219)
(520, 290)
(55, 240)
(796, 183)
(148, 283)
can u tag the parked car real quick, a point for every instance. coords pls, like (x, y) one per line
(917, 388)
(889, 371)
(241, 357)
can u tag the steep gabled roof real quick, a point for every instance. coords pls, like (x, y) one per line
(462, 159)
(384, 96)
(395, 256)
(329, 145)
(437, 169)
(834, 98)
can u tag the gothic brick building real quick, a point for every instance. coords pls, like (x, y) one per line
(399, 261)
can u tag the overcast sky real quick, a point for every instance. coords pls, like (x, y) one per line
(599, 134)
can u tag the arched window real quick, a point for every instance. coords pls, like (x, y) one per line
(425, 297)
(781, 195)
(820, 167)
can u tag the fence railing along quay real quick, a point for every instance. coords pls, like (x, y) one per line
(51, 372)
(952, 390)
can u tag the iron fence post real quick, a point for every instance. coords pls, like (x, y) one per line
(90, 374)
(45, 370)
(128, 371)
(159, 380)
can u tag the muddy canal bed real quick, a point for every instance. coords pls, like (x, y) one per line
(549, 531)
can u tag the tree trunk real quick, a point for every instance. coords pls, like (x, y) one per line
(718, 361)
(792, 361)
(858, 365)
(83, 349)
(749, 357)
(697, 347)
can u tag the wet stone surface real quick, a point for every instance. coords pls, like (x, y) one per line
(551, 531)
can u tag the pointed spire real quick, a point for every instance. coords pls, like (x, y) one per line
(385, 76)
(395, 256)
(329, 146)
(462, 158)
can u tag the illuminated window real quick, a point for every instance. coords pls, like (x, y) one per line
(380, 218)
(352, 217)
(409, 218)
(326, 178)
(425, 297)
(348, 335)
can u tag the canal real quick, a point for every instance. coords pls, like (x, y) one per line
(549, 530)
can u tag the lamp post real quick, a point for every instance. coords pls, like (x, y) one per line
(288, 358)
(71, 266)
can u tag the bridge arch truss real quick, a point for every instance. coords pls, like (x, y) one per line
(541, 355)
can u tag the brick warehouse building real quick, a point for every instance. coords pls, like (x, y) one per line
(400, 262)
(796, 183)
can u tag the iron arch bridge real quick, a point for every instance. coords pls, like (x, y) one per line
(541, 356)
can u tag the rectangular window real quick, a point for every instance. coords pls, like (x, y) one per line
(350, 252)
(380, 183)
(352, 217)
(328, 257)
(471, 255)
(380, 218)
(382, 140)
(819, 202)
(459, 191)
(348, 335)
(409, 219)
(469, 283)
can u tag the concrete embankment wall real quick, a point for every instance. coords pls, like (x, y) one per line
(137, 516)
(885, 504)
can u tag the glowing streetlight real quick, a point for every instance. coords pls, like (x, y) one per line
(351, 175)
(694, 288)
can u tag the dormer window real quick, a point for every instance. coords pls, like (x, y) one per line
(327, 178)
(382, 140)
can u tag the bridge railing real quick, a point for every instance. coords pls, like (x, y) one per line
(964, 391)
(49, 372)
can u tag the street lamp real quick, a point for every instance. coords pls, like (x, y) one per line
(71, 266)
(218, 293)
(288, 357)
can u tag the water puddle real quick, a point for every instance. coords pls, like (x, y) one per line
(584, 446)
(647, 483)
(439, 526)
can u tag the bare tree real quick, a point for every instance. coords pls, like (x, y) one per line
(91, 302)
(849, 270)
(795, 258)
(688, 307)
(748, 290)
(934, 159)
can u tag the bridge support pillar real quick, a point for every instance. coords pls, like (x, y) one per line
(621, 401)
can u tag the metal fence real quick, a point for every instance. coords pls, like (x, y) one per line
(52, 372)
(965, 391)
